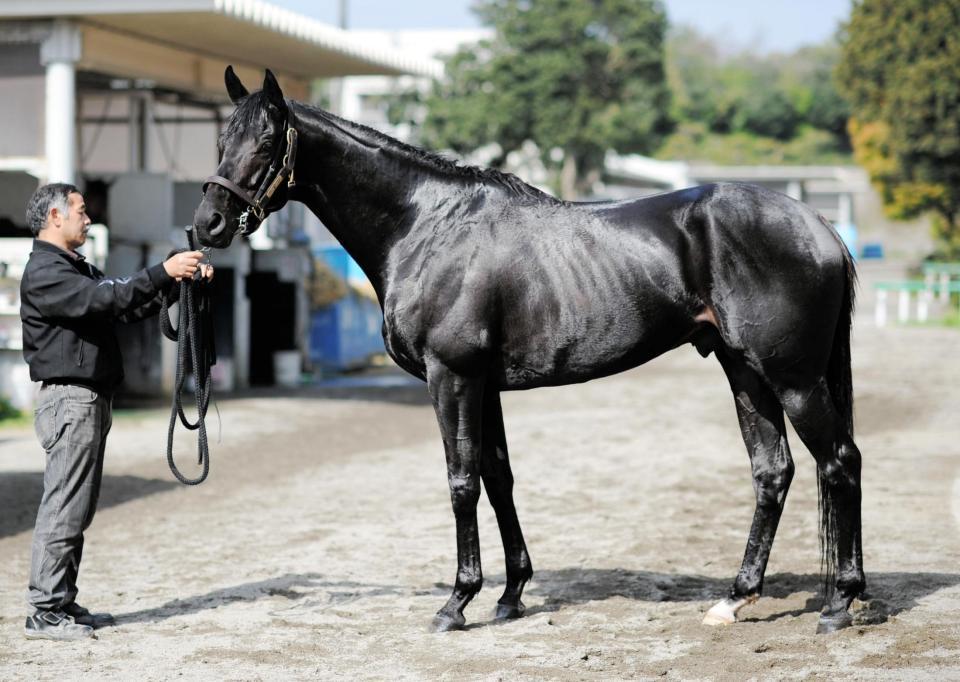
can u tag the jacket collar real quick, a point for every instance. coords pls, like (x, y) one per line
(41, 245)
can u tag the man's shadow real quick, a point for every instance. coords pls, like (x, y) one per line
(21, 492)
(310, 590)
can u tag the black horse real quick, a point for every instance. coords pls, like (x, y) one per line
(490, 285)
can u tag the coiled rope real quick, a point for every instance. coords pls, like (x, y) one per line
(195, 344)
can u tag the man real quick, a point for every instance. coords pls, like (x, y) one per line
(68, 308)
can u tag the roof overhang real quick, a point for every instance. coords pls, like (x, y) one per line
(186, 43)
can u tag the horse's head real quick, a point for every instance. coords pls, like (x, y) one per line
(257, 153)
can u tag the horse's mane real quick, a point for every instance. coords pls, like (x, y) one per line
(374, 138)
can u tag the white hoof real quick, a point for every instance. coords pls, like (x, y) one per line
(725, 612)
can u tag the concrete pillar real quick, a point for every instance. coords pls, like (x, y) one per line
(140, 131)
(845, 209)
(241, 317)
(59, 54)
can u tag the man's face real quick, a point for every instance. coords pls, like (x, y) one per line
(73, 225)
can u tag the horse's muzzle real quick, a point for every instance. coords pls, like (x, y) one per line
(211, 228)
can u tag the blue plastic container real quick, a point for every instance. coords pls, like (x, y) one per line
(872, 250)
(346, 333)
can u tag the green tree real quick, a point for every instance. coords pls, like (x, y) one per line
(807, 79)
(580, 77)
(742, 107)
(900, 71)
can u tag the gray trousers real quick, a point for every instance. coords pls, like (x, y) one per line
(72, 424)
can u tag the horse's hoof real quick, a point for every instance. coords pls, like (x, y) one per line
(509, 611)
(725, 612)
(720, 614)
(444, 622)
(834, 622)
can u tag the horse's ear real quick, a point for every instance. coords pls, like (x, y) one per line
(272, 88)
(234, 87)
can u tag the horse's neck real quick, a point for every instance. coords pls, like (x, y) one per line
(362, 195)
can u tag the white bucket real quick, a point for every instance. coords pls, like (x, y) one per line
(221, 375)
(286, 368)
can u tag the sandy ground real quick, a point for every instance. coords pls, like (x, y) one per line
(323, 541)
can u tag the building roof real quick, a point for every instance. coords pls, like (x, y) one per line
(679, 174)
(249, 33)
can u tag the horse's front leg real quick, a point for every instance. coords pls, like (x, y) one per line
(458, 401)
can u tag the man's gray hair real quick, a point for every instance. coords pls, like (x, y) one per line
(54, 195)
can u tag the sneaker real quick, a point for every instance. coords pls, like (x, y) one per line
(55, 625)
(82, 616)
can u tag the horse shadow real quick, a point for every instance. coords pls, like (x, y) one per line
(896, 591)
(560, 589)
(21, 492)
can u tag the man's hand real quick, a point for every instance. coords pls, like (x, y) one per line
(184, 264)
(206, 271)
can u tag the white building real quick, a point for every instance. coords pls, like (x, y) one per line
(125, 98)
(829, 189)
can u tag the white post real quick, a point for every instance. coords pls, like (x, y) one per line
(59, 54)
(903, 306)
(845, 209)
(880, 312)
(923, 304)
(944, 288)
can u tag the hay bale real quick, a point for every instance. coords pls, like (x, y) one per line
(325, 286)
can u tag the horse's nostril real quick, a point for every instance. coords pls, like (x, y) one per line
(217, 225)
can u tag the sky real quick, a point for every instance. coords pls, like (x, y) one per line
(762, 25)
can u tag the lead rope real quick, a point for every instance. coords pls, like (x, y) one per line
(194, 337)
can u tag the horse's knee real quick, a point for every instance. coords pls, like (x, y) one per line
(464, 492)
(772, 482)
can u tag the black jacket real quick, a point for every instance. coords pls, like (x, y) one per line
(68, 308)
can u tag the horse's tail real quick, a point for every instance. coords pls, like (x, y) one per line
(840, 385)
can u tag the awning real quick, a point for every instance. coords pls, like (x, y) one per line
(185, 43)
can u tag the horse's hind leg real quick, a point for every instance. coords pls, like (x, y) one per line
(458, 402)
(762, 426)
(498, 481)
(823, 430)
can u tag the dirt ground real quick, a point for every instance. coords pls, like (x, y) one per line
(323, 542)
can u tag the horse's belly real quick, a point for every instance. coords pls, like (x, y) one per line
(545, 358)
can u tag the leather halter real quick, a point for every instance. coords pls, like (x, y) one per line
(257, 204)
